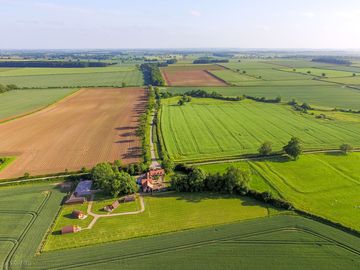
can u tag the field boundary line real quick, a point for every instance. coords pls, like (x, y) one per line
(233, 160)
(12, 118)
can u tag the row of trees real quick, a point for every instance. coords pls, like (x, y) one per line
(293, 148)
(203, 94)
(152, 74)
(234, 180)
(112, 181)
(53, 64)
(6, 88)
(209, 60)
(332, 60)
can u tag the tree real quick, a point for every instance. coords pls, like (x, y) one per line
(181, 102)
(196, 180)
(265, 149)
(123, 184)
(112, 181)
(244, 72)
(293, 148)
(168, 165)
(346, 148)
(236, 180)
(354, 74)
(123, 84)
(102, 174)
(323, 74)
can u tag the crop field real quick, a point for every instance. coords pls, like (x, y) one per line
(79, 78)
(327, 185)
(325, 95)
(33, 207)
(207, 129)
(231, 77)
(191, 75)
(164, 213)
(10, 72)
(18, 102)
(92, 126)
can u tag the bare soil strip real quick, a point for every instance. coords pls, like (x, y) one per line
(92, 126)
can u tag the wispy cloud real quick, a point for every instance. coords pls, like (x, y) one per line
(195, 13)
(309, 14)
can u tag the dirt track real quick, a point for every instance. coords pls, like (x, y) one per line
(91, 126)
(190, 77)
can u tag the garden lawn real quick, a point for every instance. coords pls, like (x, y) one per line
(18, 102)
(208, 129)
(163, 213)
(101, 201)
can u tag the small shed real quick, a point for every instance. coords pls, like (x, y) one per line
(112, 207)
(78, 214)
(66, 187)
(129, 198)
(70, 229)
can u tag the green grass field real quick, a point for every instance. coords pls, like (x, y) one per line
(326, 95)
(326, 185)
(18, 102)
(163, 213)
(329, 73)
(208, 129)
(67, 79)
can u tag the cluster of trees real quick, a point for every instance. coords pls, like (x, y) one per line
(194, 179)
(6, 88)
(332, 60)
(233, 181)
(184, 99)
(152, 74)
(293, 148)
(215, 95)
(263, 99)
(53, 64)
(112, 181)
(302, 108)
(209, 60)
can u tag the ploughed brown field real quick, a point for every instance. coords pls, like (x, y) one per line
(191, 76)
(89, 127)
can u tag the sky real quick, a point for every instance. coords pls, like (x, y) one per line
(117, 24)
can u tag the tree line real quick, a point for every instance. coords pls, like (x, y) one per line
(6, 88)
(152, 74)
(332, 60)
(233, 181)
(209, 60)
(53, 64)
